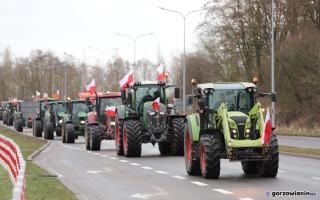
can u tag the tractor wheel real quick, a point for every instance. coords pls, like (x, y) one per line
(165, 148)
(63, 133)
(95, 138)
(177, 143)
(192, 164)
(19, 125)
(119, 137)
(209, 156)
(132, 140)
(86, 137)
(49, 131)
(1, 116)
(69, 133)
(249, 167)
(269, 168)
(10, 120)
(37, 129)
(4, 119)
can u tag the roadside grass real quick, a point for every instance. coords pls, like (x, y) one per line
(39, 183)
(307, 151)
(297, 131)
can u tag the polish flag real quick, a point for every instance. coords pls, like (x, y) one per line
(161, 75)
(111, 111)
(45, 97)
(156, 104)
(15, 103)
(37, 94)
(267, 130)
(127, 79)
(92, 87)
(58, 94)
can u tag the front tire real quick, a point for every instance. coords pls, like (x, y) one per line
(119, 137)
(269, 168)
(19, 125)
(37, 128)
(192, 164)
(177, 143)
(132, 140)
(95, 137)
(69, 133)
(210, 156)
(49, 131)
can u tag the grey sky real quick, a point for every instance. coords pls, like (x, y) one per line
(73, 25)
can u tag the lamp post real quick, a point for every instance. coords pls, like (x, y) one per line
(134, 43)
(103, 61)
(184, 51)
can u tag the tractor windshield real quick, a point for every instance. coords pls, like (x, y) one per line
(149, 93)
(79, 107)
(60, 108)
(235, 100)
(114, 101)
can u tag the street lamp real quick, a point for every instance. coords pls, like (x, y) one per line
(103, 61)
(134, 43)
(184, 51)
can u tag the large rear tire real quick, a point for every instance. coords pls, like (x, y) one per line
(95, 137)
(210, 156)
(269, 168)
(19, 125)
(178, 131)
(132, 140)
(69, 133)
(10, 120)
(37, 128)
(119, 137)
(192, 164)
(49, 131)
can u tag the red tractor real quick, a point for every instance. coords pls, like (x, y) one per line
(100, 125)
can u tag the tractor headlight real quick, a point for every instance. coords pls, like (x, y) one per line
(234, 134)
(60, 121)
(247, 135)
(112, 123)
(82, 122)
(162, 113)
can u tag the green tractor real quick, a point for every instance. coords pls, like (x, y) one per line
(55, 110)
(228, 125)
(78, 109)
(18, 116)
(38, 121)
(141, 119)
(8, 113)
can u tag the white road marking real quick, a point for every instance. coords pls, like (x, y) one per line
(245, 199)
(96, 153)
(93, 172)
(146, 167)
(76, 148)
(113, 158)
(160, 192)
(123, 161)
(199, 183)
(105, 156)
(223, 191)
(162, 172)
(135, 164)
(317, 178)
(281, 171)
(179, 177)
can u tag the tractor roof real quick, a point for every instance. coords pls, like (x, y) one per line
(149, 83)
(110, 94)
(226, 85)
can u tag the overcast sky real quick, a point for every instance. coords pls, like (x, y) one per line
(72, 26)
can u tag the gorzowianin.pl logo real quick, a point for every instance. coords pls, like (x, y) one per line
(289, 193)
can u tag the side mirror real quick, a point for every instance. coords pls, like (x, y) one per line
(176, 93)
(123, 95)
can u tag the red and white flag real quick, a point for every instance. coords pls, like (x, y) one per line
(37, 94)
(156, 104)
(267, 129)
(161, 75)
(127, 79)
(45, 97)
(15, 103)
(92, 87)
(111, 111)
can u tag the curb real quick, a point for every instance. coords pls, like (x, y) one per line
(300, 155)
(34, 154)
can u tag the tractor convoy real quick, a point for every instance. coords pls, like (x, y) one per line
(228, 124)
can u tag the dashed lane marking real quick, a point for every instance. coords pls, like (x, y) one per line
(105, 156)
(96, 153)
(162, 172)
(135, 164)
(123, 161)
(245, 199)
(179, 177)
(114, 158)
(281, 171)
(317, 178)
(146, 167)
(199, 183)
(223, 191)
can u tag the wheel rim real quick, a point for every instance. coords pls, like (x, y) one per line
(203, 160)
(125, 144)
(188, 143)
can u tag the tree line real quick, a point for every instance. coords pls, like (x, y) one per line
(234, 44)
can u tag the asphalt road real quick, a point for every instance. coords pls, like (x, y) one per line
(104, 175)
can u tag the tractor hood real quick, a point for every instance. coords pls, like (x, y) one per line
(240, 125)
(82, 114)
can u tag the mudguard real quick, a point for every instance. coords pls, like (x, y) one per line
(194, 126)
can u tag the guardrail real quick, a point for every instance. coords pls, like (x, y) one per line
(12, 161)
